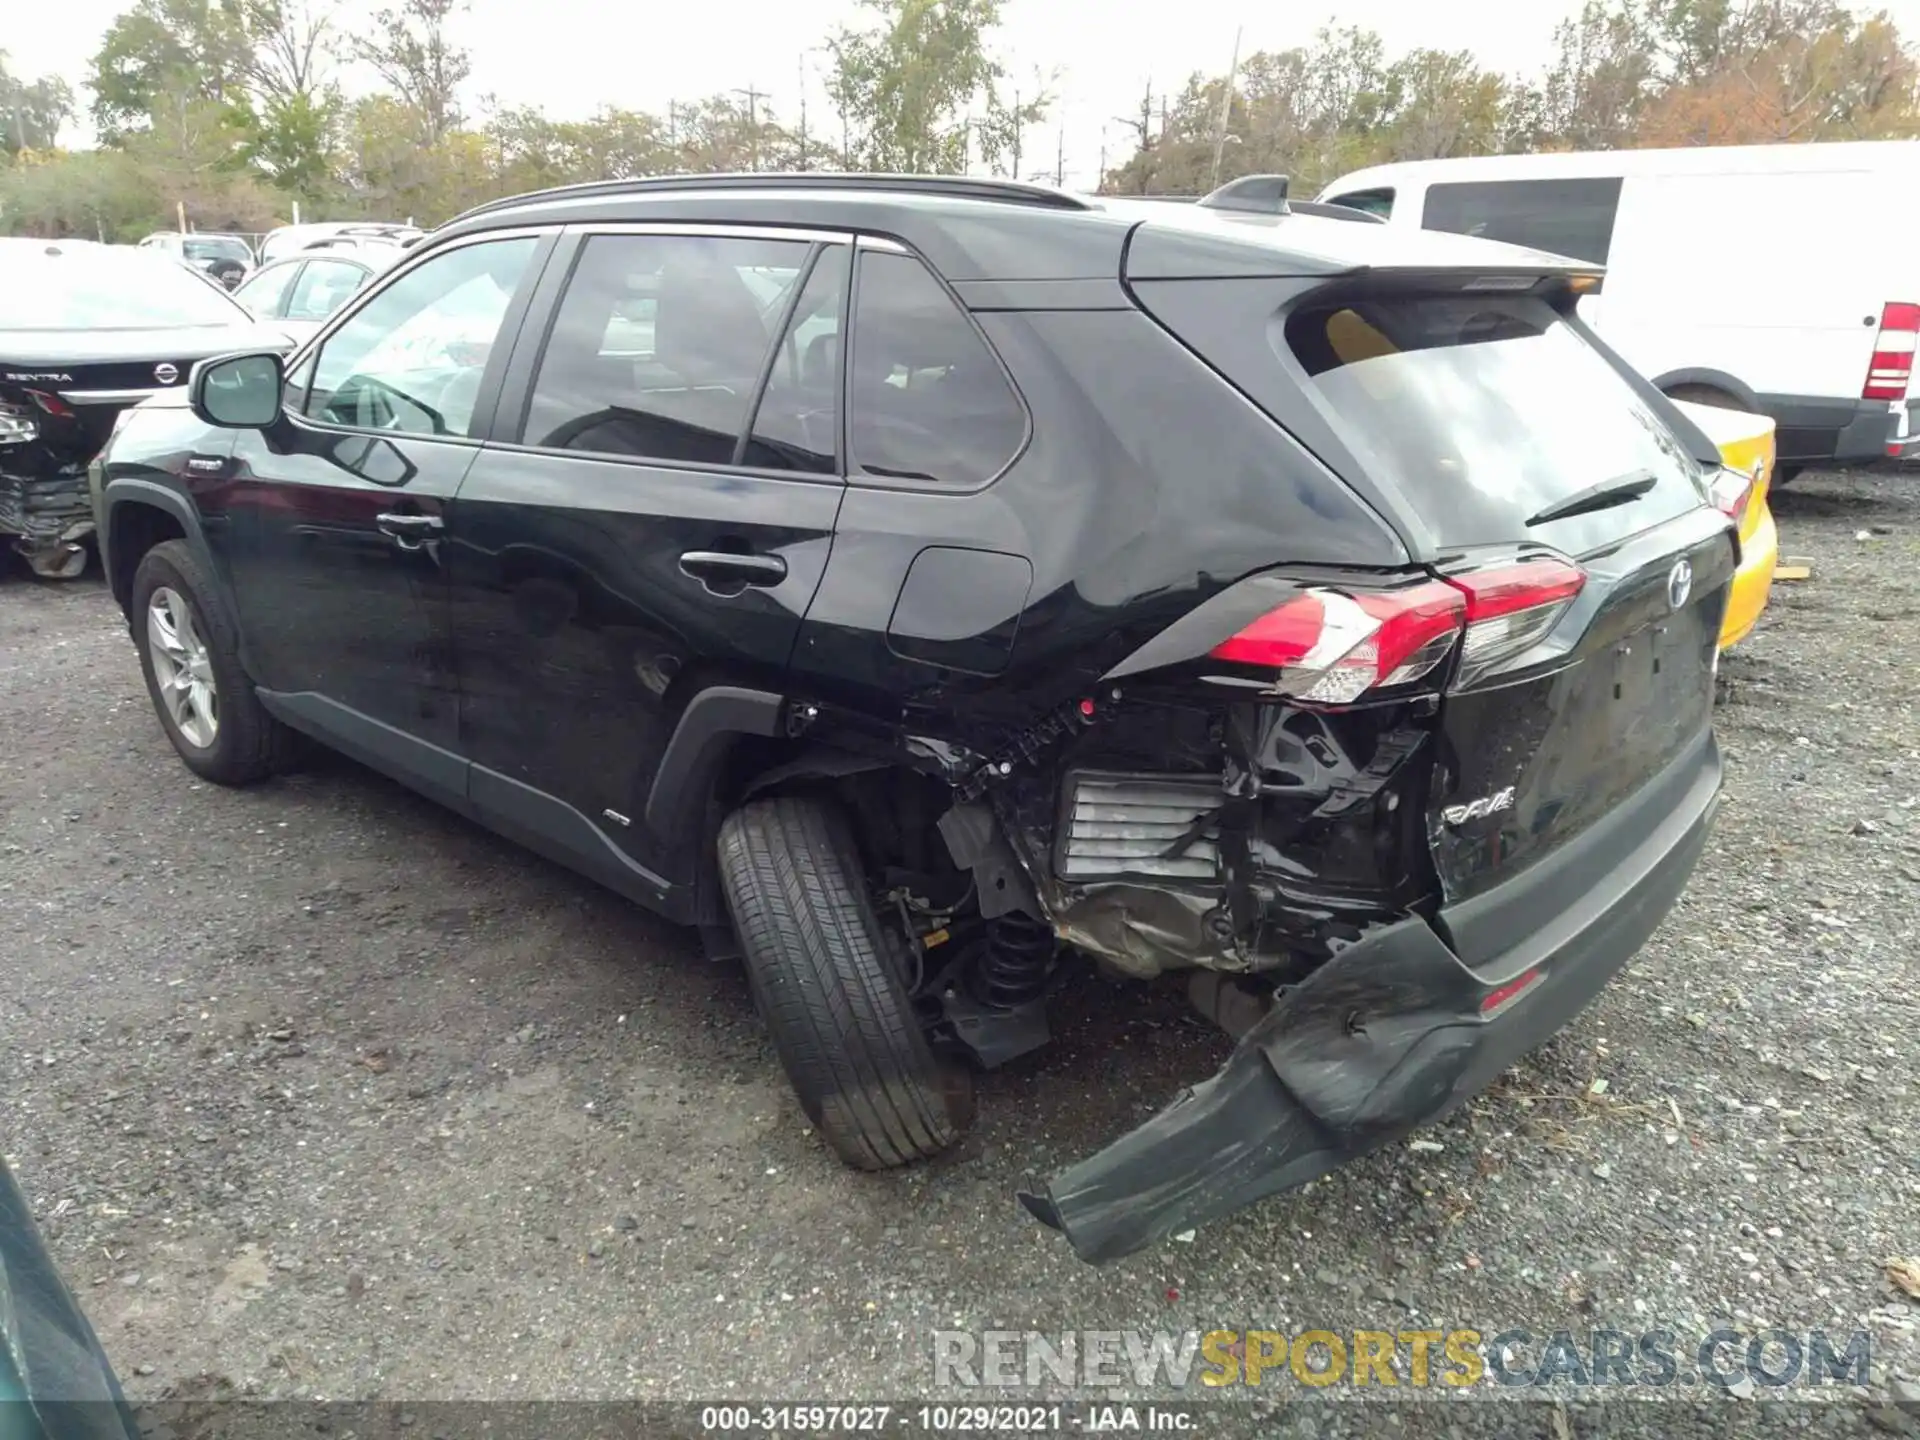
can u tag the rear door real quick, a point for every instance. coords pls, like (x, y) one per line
(1527, 471)
(630, 538)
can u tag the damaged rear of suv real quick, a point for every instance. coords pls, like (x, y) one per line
(942, 576)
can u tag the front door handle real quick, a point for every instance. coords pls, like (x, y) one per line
(725, 567)
(412, 531)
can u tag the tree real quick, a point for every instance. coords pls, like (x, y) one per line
(31, 111)
(906, 85)
(197, 49)
(420, 62)
(1444, 105)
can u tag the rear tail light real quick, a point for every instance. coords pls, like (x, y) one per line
(1892, 364)
(1512, 608)
(1333, 647)
(1732, 492)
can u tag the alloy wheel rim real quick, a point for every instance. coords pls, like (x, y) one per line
(182, 668)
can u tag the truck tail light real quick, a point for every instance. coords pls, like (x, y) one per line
(1892, 364)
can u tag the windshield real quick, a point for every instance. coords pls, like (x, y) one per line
(217, 247)
(1486, 410)
(112, 288)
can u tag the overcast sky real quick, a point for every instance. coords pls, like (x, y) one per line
(568, 57)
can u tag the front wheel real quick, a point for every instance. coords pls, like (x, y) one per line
(817, 959)
(190, 657)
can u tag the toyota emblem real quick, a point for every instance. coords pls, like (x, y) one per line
(1679, 584)
(166, 373)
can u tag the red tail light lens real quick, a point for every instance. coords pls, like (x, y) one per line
(1732, 492)
(1512, 608)
(1333, 647)
(1892, 363)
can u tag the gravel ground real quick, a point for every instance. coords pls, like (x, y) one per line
(322, 1092)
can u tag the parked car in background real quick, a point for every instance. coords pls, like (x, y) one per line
(1746, 448)
(1767, 323)
(290, 239)
(87, 330)
(56, 1382)
(298, 294)
(895, 577)
(227, 258)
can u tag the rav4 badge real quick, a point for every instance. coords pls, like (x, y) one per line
(1477, 809)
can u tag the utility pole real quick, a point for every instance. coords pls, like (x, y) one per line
(803, 112)
(1142, 128)
(1016, 135)
(754, 97)
(1060, 162)
(1226, 104)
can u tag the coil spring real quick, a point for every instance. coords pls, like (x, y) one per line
(1014, 965)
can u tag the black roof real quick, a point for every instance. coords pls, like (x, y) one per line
(982, 229)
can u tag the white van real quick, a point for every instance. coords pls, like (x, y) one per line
(1783, 279)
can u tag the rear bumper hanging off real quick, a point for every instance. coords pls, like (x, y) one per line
(1389, 1035)
(46, 511)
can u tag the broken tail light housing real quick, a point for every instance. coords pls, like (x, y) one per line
(18, 426)
(1333, 647)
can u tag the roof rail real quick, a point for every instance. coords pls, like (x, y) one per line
(963, 187)
(1258, 194)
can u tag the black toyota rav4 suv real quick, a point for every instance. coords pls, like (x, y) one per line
(910, 582)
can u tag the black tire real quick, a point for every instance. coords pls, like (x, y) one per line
(248, 744)
(816, 958)
(1705, 395)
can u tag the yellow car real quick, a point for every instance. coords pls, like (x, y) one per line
(1747, 450)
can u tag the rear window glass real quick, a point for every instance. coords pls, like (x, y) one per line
(1370, 202)
(1565, 217)
(1484, 410)
(109, 287)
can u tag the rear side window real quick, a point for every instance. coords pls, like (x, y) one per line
(1567, 217)
(1372, 202)
(796, 426)
(658, 345)
(927, 400)
(324, 287)
(1483, 411)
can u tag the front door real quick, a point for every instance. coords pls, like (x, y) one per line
(339, 510)
(653, 519)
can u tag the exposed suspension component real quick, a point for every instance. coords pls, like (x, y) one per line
(1015, 962)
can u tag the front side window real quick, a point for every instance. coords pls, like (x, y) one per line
(1564, 217)
(927, 400)
(324, 287)
(658, 345)
(265, 289)
(412, 357)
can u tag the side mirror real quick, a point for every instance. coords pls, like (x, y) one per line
(237, 392)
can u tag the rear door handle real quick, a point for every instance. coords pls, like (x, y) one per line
(725, 566)
(410, 527)
(412, 531)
